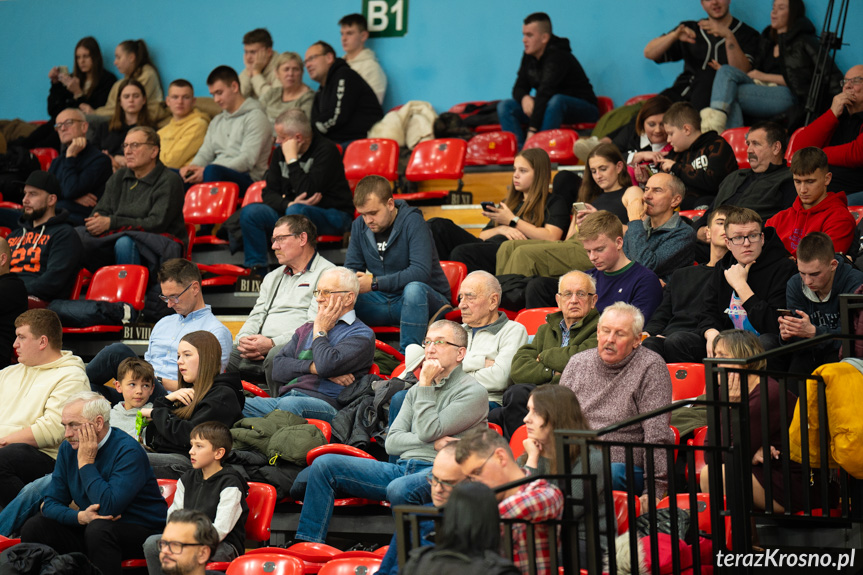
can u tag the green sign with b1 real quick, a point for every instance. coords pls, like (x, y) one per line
(387, 18)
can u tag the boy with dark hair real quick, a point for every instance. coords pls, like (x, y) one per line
(218, 492)
(135, 381)
(238, 141)
(355, 34)
(184, 134)
(259, 75)
(812, 296)
(701, 161)
(815, 209)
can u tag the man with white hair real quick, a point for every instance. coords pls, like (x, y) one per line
(323, 356)
(618, 380)
(108, 476)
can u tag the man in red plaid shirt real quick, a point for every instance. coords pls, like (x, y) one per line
(484, 456)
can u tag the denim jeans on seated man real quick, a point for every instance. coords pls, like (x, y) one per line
(24, 506)
(618, 478)
(410, 310)
(736, 94)
(258, 220)
(126, 252)
(217, 173)
(295, 402)
(561, 110)
(401, 483)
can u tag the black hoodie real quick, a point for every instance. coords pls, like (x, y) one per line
(557, 71)
(768, 277)
(168, 433)
(46, 257)
(345, 108)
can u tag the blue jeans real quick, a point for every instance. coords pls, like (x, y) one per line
(294, 401)
(217, 173)
(126, 252)
(855, 199)
(410, 310)
(560, 110)
(103, 368)
(25, 505)
(328, 221)
(735, 93)
(618, 477)
(402, 483)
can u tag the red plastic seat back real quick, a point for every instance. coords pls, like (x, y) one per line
(371, 157)
(531, 319)
(492, 149)
(516, 442)
(557, 143)
(736, 138)
(210, 202)
(313, 552)
(324, 426)
(792, 145)
(4, 232)
(621, 510)
(262, 502)
(441, 159)
(703, 508)
(455, 273)
(637, 99)
(254, 193)
(45, 156)
(265, 564)
(496, 427)
(351, 566)
(168, 487)
(605, 105)
(123, 283)
(687, 380)
(692, 214)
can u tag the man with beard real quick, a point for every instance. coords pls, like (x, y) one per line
(187, 543)
(46, 251)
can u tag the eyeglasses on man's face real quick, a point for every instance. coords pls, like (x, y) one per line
(175, 547)
(438, 342)
(135, 145)
(567, 295)
(66, 124)
(175, 298)
(327, 293)
(739, 240)
(278, 240)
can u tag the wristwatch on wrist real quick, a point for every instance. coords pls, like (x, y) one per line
(374, 286)
(514, 221)
(321, 333)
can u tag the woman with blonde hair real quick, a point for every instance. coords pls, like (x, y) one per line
(294, 92)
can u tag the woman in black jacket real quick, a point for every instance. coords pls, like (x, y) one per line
(780, 78)
(204, 395)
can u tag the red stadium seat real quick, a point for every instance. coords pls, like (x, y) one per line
(351, 566)
(266, 564)
(687, 380)
(6, 543)
(4, 232)
(516, 442)
(210, 203)
(605, 105)
(168, 487)
(621, 510)
(45, 156)
(557, 143)
(254, 193)
(496, 427)
(698, 440)
(441, 159)
(372, 156)
(122, 283)
(324, 426)
(637, 99)
(261, 501)
(455, 273)
(856, 211)
(792, 145)
(692, 214)
(254, 389)
(531, 319)
(736, 138)
(491, 149)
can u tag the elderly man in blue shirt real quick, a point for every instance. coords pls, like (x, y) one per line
(181, 290)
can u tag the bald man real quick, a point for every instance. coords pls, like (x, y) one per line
(13, 294)
(839, 132)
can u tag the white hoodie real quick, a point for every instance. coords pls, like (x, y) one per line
(366, 65)
(33, 397)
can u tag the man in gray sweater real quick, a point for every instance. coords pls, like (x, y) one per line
(618, 380)
(445, 404)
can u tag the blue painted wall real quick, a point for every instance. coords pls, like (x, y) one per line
(454, 50)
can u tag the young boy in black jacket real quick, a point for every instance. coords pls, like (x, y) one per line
(701, 160)
(218, 492)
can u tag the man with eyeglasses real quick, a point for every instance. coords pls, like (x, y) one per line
(285, 301)
(839, 132)
(180, 282)
(542, 361)
(324, 355)
(81, 168)
(445, 404)
(485, 456)
(345, 106)
(747, 287)
(145, 196)
(444, 475)
(187, 543)
(107, 474)
(46, 250)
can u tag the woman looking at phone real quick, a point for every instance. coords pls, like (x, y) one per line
(527, 212)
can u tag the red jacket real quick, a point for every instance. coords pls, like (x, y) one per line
(831, 216)
(818, 134)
